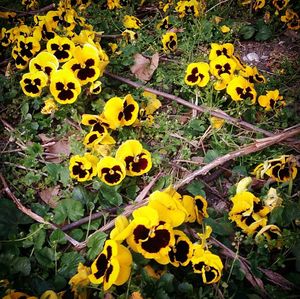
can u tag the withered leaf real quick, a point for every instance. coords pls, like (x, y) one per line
(47, 196)
(56, 150)
(143, 67)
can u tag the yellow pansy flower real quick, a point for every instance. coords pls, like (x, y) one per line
(84, 64)
(131, 22)
(169, 41)
(33, 83)
(241, 89)
(64, 87)
(111, 171)
(271, 100)
(209, 265)
(120, 112)
(83, 168)
(135, 157)
(45, 62)
(61, 47)
(197, 74)
(112, 266)
(49, 106)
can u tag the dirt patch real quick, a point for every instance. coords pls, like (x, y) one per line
(271, 54)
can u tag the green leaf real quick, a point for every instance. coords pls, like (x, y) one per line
(210, 156)
(10, 218)
(161, 294)
(264, 33)
(40, 209)
(291, 212)
(53, 171)
(64, 176)
(81, 194)
(276, 216)
(162, 183)
(31, 178)
(237, 272)
(58, 237)
(242, 170)
(221, 226)
(36, 237)
(166, 282)
(185, 288)
(34, 149)
(68, 209)
(94, 225)
(95, 244)
(196, 127)
(77, 234)
(247, 32)
(131, 187)
(59, 282)
(24, 109)
(69, 263)
(45, 257)
(111, 195)
(59, 173)
(196, 188)
(296, 252)
(21, 265)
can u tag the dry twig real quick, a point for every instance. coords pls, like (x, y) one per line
(214, 112)
(274, 277)
(258, 145)
(31, 12)
(33, 215)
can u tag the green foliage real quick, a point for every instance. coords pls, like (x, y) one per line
(196, 188)
(35, 257)
(10, 219)
(68, 209)
(95, 244)
(260, 31)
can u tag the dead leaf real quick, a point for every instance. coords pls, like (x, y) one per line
(176, 30)
(47, 195)
(143, 67)
(44, 138)
(183, 119)
(56, 150)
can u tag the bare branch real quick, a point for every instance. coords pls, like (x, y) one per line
(33, 215)
(258, 145)
(31, 12)
(204, 109)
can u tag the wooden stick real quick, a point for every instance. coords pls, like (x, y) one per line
(32, 12)
(33, 215)
(204, 109)
(256, 146)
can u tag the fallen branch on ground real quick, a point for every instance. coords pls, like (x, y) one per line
(33, 215)
(256, 146)
(31, 12)
(202, 108)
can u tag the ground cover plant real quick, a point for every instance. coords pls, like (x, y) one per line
(149, 149)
